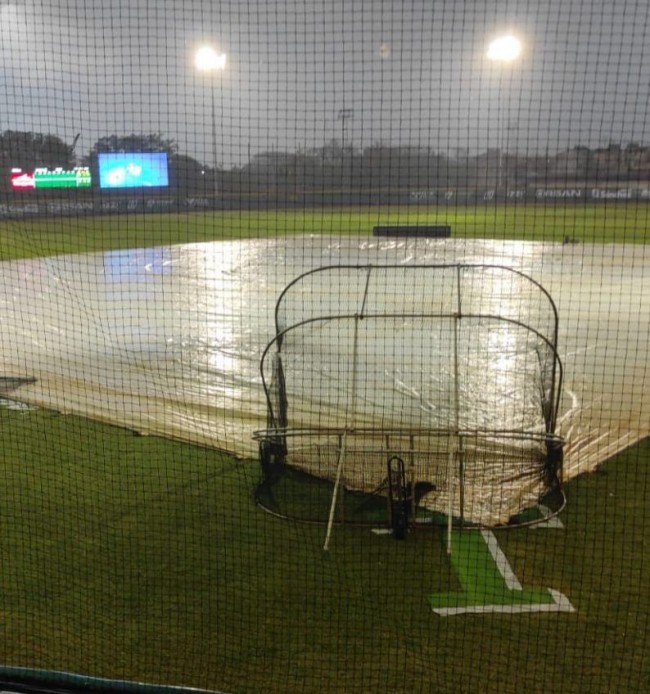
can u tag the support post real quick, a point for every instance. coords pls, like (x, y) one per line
(350, 423)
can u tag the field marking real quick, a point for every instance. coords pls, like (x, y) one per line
(501, 561)
(560, 603)
(490, 586)
(550, 521)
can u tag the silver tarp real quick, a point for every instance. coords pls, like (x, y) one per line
(168, 340)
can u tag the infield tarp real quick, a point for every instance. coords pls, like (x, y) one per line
(168, 340)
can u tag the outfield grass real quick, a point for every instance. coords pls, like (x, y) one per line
(142, 558)
(595, 223)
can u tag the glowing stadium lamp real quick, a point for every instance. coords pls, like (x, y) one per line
(503, 50)
(208, 61)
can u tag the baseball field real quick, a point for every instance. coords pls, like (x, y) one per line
(145, 558)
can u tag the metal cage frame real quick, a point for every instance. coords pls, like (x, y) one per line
(275, 439)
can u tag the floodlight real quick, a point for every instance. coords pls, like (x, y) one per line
(505, 49)
(207, 59)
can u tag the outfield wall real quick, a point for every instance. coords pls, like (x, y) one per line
(78, 204)
(533, 194)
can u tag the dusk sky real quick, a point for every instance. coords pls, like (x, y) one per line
(413, 72)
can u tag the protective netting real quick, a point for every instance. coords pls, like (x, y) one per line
(167, 169)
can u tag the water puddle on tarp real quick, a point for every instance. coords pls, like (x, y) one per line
(168, 340)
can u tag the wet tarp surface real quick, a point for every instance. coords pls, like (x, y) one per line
(168, 340)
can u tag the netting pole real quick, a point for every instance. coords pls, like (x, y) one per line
(412, 478)
(351, 417)
(450, 502)
(459, 445)
(461, 469)
(335, 493)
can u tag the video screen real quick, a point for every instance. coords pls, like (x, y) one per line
(42, 178)
(133, 170)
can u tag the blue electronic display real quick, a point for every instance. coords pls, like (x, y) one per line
(133, 170)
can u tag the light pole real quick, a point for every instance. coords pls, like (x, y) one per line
(344, 115)
(503, 51)
(210, 61)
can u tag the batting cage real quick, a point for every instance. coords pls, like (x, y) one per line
(324, 346)
(455, 383)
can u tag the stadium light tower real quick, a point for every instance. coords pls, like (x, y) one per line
(504, 50)
(212, 62)
(344, 115)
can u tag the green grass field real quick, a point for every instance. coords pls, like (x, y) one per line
(146, 559)
(595, 223)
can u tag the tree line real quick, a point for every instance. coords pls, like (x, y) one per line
(335, 167)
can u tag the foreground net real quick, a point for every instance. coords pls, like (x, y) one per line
(167, 169)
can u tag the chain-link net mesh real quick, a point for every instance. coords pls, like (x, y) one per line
(167, 169)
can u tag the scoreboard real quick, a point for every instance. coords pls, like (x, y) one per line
(43, 178)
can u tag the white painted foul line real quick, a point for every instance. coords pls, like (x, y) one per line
(501, 561)
(560, 604)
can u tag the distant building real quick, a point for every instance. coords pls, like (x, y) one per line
(608, 162)
(486, 167)
(571, 165)
(637, 160)
(611, 163)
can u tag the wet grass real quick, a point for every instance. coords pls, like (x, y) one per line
(146, 559)
(595, 223)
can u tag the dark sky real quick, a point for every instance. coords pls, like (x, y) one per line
(413, 72)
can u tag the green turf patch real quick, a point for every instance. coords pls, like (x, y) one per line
(488, 584)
